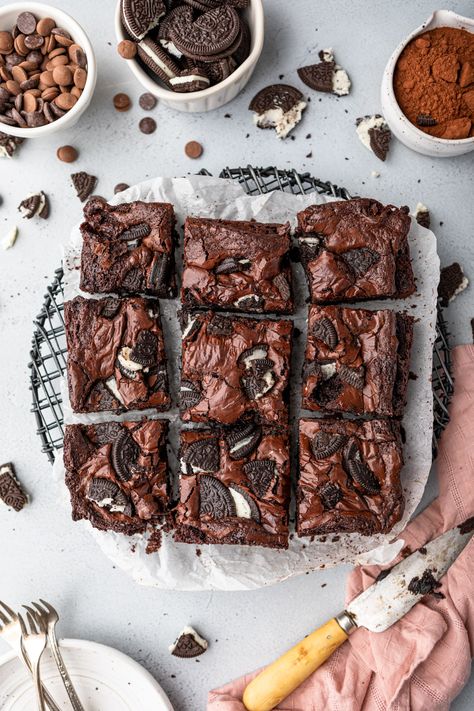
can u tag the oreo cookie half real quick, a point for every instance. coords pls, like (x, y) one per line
(188, 644)
(375, 134)
(326, 75)
(157, 60)
(141, 16)
(278, 106)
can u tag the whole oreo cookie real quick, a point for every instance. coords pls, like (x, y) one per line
(192, 79)
(141, 16)
(211, 34)
(157, 60)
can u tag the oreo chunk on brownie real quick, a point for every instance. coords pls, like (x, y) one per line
(349, 476)
(357, 361)
(116, 355)
(234, 486)
(355, 250)
(128, 248)
(235, 368)
(241, 266)
(117, 474)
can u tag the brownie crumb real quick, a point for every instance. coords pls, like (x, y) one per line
(422, 550)
(426, 585)
(154, 543)
(451, 283)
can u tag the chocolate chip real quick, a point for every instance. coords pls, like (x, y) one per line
(242, 439)
(353, 376)
(84, 184)
(124, 455)
(331, 495)
(325, 331)
(325, 444)
(147, 125)
(215, 499)
(232, 264)
(127, 49)
(147, 101)
(26, 23)
(193, 149)
(423, 218)
(203, 455)
(122, 102)
(190, 395)
(11, 491)
(360, 260)
(145, 350)
(260, 473)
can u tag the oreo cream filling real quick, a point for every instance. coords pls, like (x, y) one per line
(341, 83)
(189, 79)
(282, 121)
(242, 508)
(157, 60)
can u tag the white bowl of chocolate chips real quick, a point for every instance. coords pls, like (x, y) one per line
(194, 56)
(36, 99)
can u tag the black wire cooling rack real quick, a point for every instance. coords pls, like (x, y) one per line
(48, 351)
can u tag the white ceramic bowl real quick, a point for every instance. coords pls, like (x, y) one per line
(214, 96)
(403, 129)
(8, 15)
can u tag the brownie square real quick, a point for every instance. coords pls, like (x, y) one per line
(349, 476)
(234, 367)
(357, 360)
(116, 355)
(128, 248)
(117, 473)
(234, 486)
(241, 266)
(355, 250)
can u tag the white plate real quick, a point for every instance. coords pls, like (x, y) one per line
(105, 680)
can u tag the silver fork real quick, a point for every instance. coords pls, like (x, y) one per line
(33, 644)
(50, 618)
(10, 631)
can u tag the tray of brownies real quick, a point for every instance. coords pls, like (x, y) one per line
(248, 392)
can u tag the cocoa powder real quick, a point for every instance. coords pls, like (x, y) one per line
(434, 82)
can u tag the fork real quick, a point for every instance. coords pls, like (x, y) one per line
(50, 617)
(33, 644)
(10, 631)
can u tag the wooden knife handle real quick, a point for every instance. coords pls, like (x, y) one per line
(278, 680)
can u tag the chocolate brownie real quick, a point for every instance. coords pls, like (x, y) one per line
(235, 486)
(235, 368)
(349, 476)
(355, 250)
(357, 360)
(128, 248)
(116, 473)
(240, 266)
(116, 355)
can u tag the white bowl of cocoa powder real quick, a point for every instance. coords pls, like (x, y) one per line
(73, 36)
(428, 87)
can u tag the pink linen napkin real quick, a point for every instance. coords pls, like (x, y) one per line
(422, 662)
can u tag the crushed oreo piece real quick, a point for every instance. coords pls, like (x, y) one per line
(281, 283)
(325, 444)
(363, 476)
(220, 325)
(110, 307)
(326, 391)
(355, 377)
(108, 495)
(260, 473)
(360, 260)
(189, 394)
(325, 331)
(145, 350)
(11, 491)
(84, 184)
(124, 455)
(331, 494)
(422, 215)
(203, 455)
(243, 439)
(106, 432)
(425, 120)
(189, 644)
(215, 499)
(375, 134)
(326, 76)
(133, 280)
(159, 271)
(9, 144)
(35, 205)
(136, 232)
(451, 283)
(426, 585)
(233, 264)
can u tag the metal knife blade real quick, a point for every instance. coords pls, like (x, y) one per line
(385, 602)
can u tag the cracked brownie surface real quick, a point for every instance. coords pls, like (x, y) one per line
(234, 367)
(349, 476)
(234, 486)
(128, 248)
(116, 473)
(355, 250)
(357, 361)
(241, 266)
(116, 355)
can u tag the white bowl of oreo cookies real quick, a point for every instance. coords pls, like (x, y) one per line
(194, 55)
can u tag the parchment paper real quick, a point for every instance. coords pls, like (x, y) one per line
(225, 567)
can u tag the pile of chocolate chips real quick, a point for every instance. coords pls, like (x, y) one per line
(188, 45)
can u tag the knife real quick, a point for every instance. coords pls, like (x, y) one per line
(376, 609)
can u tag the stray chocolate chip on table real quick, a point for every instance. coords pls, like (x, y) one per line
(147, 125)
(193, 149)
(127, 49)
(68, 154)
(122, 102)
(147, 101)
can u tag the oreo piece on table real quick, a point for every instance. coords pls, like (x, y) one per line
(278, 106)
(193, 79)
(188, 644)
(35, 205)
(422, 215)
(84, 184)
(157, 60)
(11, 491)
(9, 144)
(375, 134)
(451, 283)
(141, 16)
(326, 76)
